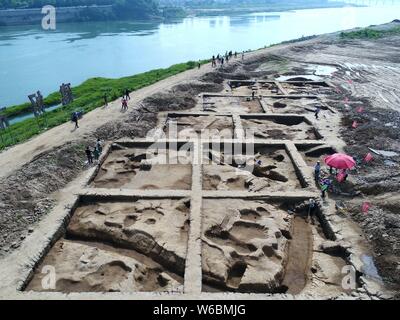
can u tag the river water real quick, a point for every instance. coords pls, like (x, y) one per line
(32, 59)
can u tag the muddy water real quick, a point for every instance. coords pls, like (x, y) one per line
(299, 255)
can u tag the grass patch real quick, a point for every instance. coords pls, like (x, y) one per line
(88, 96)
(369, 33)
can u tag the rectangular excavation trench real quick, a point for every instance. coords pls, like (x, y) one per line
(313, 153)
(250, 167)
(300, 87)
(231, 104)
(279, 127)
(120, 244)
(190, 126)
(144, 166)
(293, 105)
(259, 87)
(265, 246)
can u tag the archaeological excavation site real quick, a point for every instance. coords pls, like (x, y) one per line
(218, 200)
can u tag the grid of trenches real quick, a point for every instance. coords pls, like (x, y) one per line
(137, 225)
(120, 244)
(266, 246)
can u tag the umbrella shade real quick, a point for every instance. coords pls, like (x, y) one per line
(340, 161)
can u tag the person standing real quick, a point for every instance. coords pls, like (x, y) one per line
(89, 155)
(324, 189)
(127, 95)
(124, 106)
(96, 154)
(99, 146)
(243, 56)
(317, 171)
(105, 100)
(75, 119)
(317, 111)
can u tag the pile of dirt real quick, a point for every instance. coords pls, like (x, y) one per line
(168, 101)
(25, 194)
(136, 124)
(197, 87)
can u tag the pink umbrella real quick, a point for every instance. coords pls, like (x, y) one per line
(340, 161)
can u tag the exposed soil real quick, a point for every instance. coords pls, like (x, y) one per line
(121, 247)
(231, 104)
(137, 169)
(260, 246)
(275, 129)
(196, 126)
(275, 173)
(292, 105)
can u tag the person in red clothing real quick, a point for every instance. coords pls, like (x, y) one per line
(124, 104)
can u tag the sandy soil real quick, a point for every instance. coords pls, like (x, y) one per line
(135, 169)
(149, 242)
(202, 126)
(276, 172)
(275, 129)
(294, 106)
(257, 246)
(232, 105)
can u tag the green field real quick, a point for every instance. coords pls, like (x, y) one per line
(369, 33)
(88, 96)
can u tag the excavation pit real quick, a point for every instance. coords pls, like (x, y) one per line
(279, 127)
(145, 167)
(110, 245)
(260, 88)
(314, 153)
(300, 86)
(195, 126)
(295, 105)
(246, 167)
(264, 246)
(230, 104)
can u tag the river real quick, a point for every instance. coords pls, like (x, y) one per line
(33, 59)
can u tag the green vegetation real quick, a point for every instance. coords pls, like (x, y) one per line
(369, 33)
(88, 96)
(121, 9)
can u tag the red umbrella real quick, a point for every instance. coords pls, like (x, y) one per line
(340, 161)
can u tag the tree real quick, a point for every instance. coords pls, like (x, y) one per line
(137, 8)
